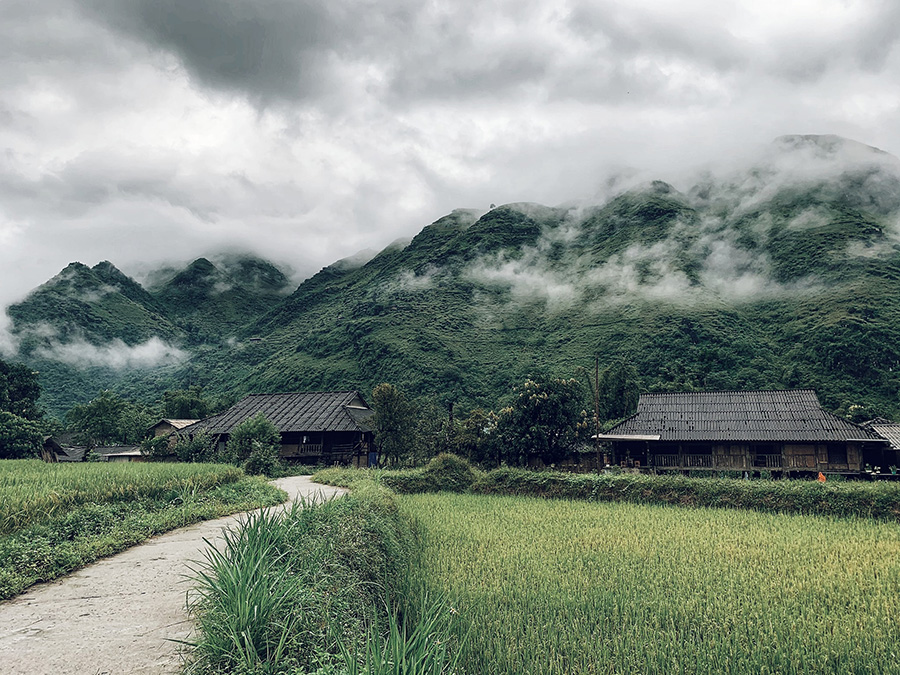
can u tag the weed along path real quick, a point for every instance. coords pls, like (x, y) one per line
(121, 614)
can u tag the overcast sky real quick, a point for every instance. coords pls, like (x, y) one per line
(142, 131)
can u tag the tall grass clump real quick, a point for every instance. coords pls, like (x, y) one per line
(295, 590)
(558, 586)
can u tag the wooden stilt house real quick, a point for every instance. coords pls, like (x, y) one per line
(776, 431)
(318, 427)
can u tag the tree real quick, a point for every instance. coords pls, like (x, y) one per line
(21, 432)
(394, 423)
(109, 419)
(618, 391)
(20, 438)
(476, 438)
(188, 404)
(19, 391)
(254, 444)
(546, 419)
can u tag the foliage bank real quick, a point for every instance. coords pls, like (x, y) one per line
(298, 589)
(552, 586)
(55, 518)
(847, 498)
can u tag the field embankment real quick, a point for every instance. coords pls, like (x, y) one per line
(55, 518)
(878, 500)
(322, 588)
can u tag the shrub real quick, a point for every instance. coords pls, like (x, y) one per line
(448, 472)
(254, 444)
(263, 460)
(196, 448)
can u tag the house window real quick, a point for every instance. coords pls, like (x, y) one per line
(766, 456)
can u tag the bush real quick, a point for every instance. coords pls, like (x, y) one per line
(254, 444)
(263, 460)
(450, 473)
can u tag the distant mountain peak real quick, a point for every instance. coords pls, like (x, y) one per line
(828, 145)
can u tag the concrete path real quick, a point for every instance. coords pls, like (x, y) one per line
(119, 615)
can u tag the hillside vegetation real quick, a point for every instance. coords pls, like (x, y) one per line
(783, 272)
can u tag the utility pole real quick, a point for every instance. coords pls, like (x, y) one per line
(597, 409)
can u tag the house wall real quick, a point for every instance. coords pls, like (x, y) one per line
(331, 446)
(839, 457)
(163, 429)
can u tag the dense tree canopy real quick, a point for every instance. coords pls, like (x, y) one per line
(19, 390)
(109, 419)
(546, 419)
(618, 391)
(188, 404)
(21, 431)
(394, 422)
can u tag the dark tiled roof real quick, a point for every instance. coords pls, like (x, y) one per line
(300, 411)
(889, 431)
(786, 415)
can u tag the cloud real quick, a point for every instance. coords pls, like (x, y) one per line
(142, 131)
(527, 278)
(116, 354)
(9, 343)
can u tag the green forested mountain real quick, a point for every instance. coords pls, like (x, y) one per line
(207, 300)
(780, 272)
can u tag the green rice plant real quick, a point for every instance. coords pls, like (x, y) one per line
(414, 643)
(553, 586)
(34, 492)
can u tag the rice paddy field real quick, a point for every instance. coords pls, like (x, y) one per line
(551, 586)
(34, 492)
(55, 518)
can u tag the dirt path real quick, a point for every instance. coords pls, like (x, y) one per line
(119, 615)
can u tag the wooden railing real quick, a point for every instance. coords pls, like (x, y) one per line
(768, 462)
(698, 461)
(666, 460)
(683, 461)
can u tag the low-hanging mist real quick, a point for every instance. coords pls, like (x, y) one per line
(781, 271)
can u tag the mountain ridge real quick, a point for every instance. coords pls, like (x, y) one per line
(780, 273)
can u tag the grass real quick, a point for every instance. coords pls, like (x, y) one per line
(301, 591)
(36, 492)
(55, 518)
(575, 587)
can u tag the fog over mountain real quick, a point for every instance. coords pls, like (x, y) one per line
(153, 133)
(780, 272)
